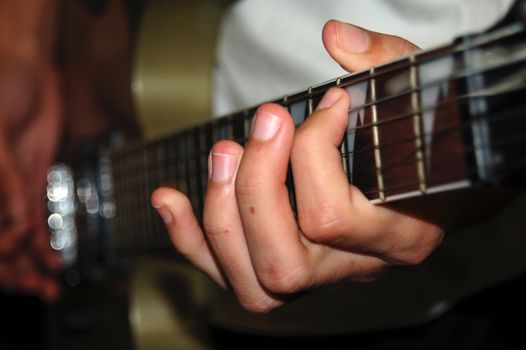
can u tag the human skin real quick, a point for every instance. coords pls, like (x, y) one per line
(251, 241)
(31, 122)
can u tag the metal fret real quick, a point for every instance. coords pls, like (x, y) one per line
(417, 128)
(138, 174)
(434, 81)
(376, 139)
(310, 103)
(145, 230)
(247, 121)
(198, 180)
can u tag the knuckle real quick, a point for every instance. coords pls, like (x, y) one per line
(415, 256)
(259, 306)
(304, 140)
(324, 225)
(283, 280)
(247, 186)
(374, 274)
(430, 240)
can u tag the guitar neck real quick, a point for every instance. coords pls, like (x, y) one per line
(418, 125)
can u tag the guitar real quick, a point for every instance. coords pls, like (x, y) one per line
(434, 122)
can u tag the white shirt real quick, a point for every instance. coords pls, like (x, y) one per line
(271, 48)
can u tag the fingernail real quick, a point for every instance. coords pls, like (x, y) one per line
(329, 99)
(223, 166)
(265, 126)
(351, 38)
(164, 213)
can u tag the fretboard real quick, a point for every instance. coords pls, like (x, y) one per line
(417, 126)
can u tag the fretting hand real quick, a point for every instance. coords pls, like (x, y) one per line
(251, 241)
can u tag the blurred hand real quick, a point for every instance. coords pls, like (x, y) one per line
(30, 127)
(251, 241)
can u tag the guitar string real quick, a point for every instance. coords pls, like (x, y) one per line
(462, 126)
(359, 108)
(412, 113)
(371, 173)
(408, 63)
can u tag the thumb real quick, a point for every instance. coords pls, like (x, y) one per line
(355, 48)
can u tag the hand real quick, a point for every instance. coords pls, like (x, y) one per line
(251, 241)
(30, 126)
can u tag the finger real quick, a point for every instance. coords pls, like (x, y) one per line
(276, 250)
(11, 235)
(186, 235)
(41, 248)
(356, 48)
(14, 207)
(345, 218)
(22, 275)
(33, 280)
(323, 201)
(224, 230)
(36, 149)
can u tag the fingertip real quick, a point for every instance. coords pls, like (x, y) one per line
(50, 291)
(275, 110)
(161, 196)
(159, 200)
(227, 146)
(329, 35)
(270, 122)
(332, 97)
(53, 261)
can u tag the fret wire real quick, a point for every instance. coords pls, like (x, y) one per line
(176, 174)
(309, 104)
(188, 167)
(154, 183)
(129, 199)
(142, 231)
(131, 182)
(152, 179)
(230, 128)
(376, 125)
(376, 140)
(138, 190)
(432, 56)
(467, 148)
(181, 164)
(394, 187)
(461, 74)
(116, 163)
(126, 192)
(159, 161)
(435, 82)
(238, 128)
(198, 178)
(400, 187)
(140, 214)
(208, 142)
(290, 175)
(419, 142)
(463, 125)
(145, 231)
(371, 193)
(144, 189)
(247, 123)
